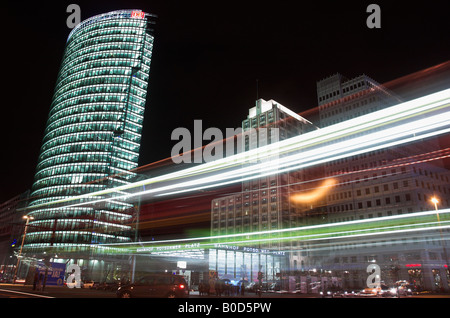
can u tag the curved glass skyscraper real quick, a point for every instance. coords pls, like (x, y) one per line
(93, 133)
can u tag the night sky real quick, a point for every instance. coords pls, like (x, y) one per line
(207, 57)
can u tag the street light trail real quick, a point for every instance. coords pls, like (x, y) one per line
(403, 123)
(395, 224)
(387, 225)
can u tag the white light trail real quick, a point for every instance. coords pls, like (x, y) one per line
(403, 123)
(332, 228)
(386, 225)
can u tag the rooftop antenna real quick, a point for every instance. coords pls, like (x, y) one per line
(257, 96)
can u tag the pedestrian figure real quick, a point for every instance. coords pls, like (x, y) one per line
(227, 289)
(45, 279)
(218, 288)
(35, 280)
(203, 289)
(39, 282)
(211, 287)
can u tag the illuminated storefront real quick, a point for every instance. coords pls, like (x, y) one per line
(238, 263)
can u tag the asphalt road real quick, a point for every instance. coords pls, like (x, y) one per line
(21, 291)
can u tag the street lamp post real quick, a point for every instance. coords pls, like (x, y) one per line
(435, 201)
(28, 218)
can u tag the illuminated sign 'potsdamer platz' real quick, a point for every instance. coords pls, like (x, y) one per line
(93, 132)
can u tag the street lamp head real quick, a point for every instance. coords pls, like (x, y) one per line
(434, 200)
(28, 217)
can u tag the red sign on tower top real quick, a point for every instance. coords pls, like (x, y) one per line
(137, 14)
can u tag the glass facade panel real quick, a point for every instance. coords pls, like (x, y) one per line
(221, 262)
(239, 265)
(212, 260)
(230, 264)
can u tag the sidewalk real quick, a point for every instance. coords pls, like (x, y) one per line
(195, 294)
(65, 292)
(59, 291)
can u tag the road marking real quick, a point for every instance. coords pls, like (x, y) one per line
(22, 293)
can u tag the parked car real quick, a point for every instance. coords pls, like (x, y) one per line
(113, 286)
(265, 286)
(88, 284)
(275, 287)
(412, 289)
(156, 285)
(404, 288)
(387, 291)
(370, 292)
(343, 294)
(251, 287)
(315, 287)
(95, 285)
(325, 294)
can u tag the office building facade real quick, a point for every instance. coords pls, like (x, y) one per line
(262, 205)
(384, 183)
(92, 136)
(391, 182)
(11, 231)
